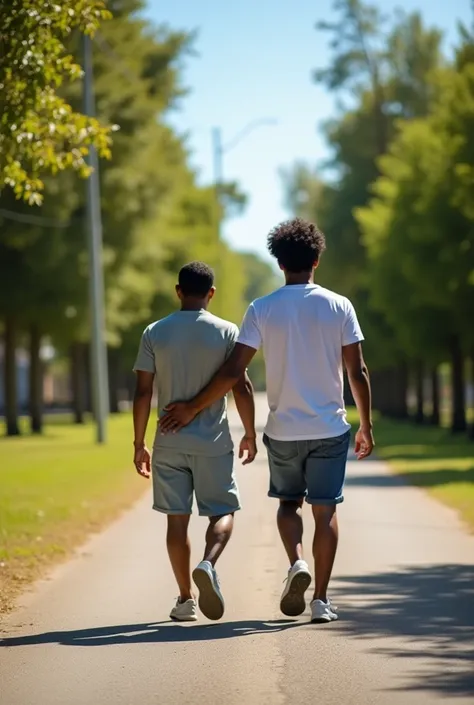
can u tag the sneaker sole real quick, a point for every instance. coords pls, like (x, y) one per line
(293, 603)
(183, 619)
(324, 620)
(210, 604)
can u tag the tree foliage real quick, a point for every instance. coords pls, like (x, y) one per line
(39, 130)
(156, 216)
(397, 205)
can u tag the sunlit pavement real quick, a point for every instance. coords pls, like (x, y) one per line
(97, 632)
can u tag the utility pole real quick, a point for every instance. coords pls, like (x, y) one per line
(100, 382)
(218, 180)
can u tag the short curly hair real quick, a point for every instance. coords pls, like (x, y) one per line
(296, 245)
(196, 279)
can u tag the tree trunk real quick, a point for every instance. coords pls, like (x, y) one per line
(471, 427)
(36, 380)
(381, 390)
(419, 391)
(114, 379)
(87, 379)
(403, 391)
(399, 391)
(10, 381)
(435, 397)
(78, 374)
(394, 395)
(458, 391)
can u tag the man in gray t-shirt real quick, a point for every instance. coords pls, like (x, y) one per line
(181, 353)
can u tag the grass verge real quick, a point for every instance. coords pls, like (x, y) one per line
(431, 458)
(56, 489)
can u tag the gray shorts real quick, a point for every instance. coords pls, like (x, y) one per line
(176, 476)
(312, 469)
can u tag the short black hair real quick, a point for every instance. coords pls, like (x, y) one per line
(196, 279)
(296, 244)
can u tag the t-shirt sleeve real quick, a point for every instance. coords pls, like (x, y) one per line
(250, 332)
(351, 331)
(145, 361)
(232, 335)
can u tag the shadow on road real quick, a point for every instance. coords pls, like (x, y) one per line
(429, 609)
(428, 478)
(153, 632)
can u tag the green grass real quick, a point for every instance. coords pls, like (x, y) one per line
(431, 458)
(55, 490)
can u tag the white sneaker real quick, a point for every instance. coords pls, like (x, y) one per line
(211, 602)
(292, 602)
(184, 611)
(322, 612)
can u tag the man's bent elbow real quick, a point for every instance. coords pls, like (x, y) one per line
(243, 386)
(360, 374)
(143, 394)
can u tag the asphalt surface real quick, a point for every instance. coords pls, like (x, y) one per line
(97, 631)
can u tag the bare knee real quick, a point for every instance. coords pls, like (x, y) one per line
(291, 506)
(221, 524)
(177, 528)
(324, 513)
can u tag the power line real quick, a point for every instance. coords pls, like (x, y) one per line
(34, 219)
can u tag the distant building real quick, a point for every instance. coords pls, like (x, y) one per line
(22, 378)
(56, 386)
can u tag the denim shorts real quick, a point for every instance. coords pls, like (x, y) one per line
(314, 469)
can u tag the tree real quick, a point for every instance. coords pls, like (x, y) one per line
(148, 164)
(383, 72)
(39, 130)
(419, 231)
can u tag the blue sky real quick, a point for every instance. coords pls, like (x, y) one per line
(254, 61)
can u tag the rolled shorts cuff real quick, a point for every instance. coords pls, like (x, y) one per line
(325, 502)
(286, 497)
(229, 510)
(176, 512)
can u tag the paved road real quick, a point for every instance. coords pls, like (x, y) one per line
(97, 633)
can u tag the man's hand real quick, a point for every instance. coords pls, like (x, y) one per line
(364, 443)
(248, 445)
(142, 461)
(178, 415)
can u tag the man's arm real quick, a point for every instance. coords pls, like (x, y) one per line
(245, 403)
(180, 414)
(358, 376)
(141, 414)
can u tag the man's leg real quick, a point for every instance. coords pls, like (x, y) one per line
(290, 526)
(288, 484)
(217, 498)
(218, 534)
(324, 547)
(179, 551)
(173, 495)
(325, 471)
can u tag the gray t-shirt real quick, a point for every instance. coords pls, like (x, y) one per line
(184, 351)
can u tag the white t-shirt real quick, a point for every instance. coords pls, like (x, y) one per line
(303, 329)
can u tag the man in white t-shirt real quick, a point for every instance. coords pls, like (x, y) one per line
(308, 335)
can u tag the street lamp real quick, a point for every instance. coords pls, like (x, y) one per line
(219, 149)
(100, 385)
